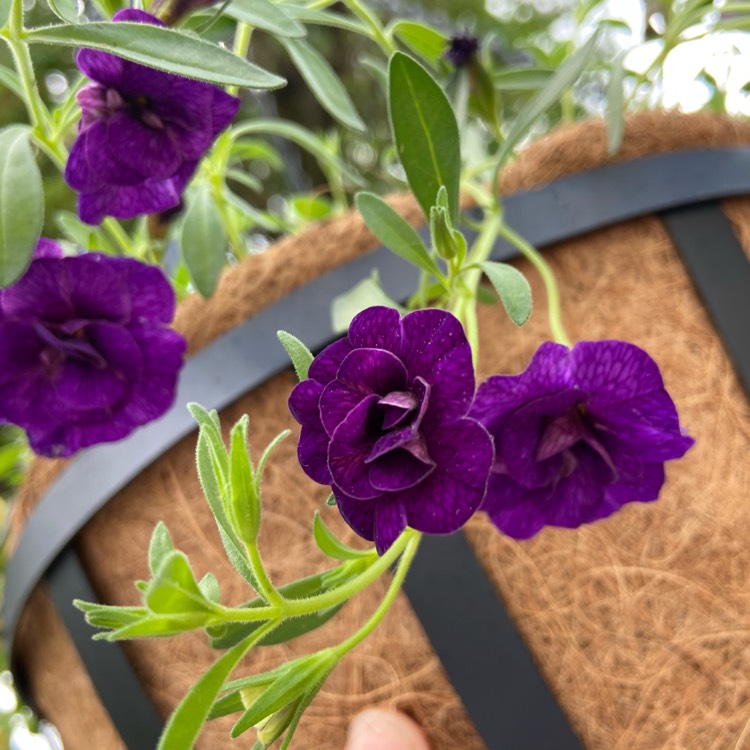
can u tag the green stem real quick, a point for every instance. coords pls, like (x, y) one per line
(265, 588)
(241, 46)
(372, 22)
(297, 607)
(541, 265)
(398, 579)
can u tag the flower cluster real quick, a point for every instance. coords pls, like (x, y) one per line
(141, 134)
(391, 421)
(87, 355)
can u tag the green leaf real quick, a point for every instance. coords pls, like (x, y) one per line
(331, 500)
(564, 77)
(185, 723)
(65, 10)
(395, 232)
(228, 635)
(203, 241)
(161, 545)
(245, 503)
(5, 6)
(615, 115)
(21, 203)
(513, 289)
(9, 79)
(426, 41)
(265, 456)
(174, 590)
(323, 82)
(299, 354)
(306, 676)
(329, 545)
(209, 586)
(367, 293)
(426, 133)
(157, 626)
(325, 18)
(162, 48)
(304, 139)
(109, 616)
(265, 15)
(523, 79)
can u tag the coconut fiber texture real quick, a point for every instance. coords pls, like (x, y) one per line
(640, 623)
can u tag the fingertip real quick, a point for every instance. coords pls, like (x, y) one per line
(377, 729)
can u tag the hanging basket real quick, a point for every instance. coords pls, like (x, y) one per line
(638, 626)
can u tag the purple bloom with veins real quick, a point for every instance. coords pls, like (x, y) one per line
(578, 434)
(86, 352)
(384, 422)
(141, 135)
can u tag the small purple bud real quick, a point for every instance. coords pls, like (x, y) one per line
(462, 49)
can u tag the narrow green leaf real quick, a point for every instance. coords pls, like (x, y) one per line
(157, 626)
(425, 40)
(564, 77)
(265, 15)
(615, 115)
(299, 354)
(244, 496)
(325, 18)
(304, 139)
(426, 133)
(21, 203)
(285, 689)
(162, 48)
(523, 79)
(188, 718)
(203, 240)
(161, 545)
(329, 545)
(109, 616)
(395, 232)
(331, 500)
(9, 79)
(512, 288)
(264, 458)
(209, 586)
(323, 82)
(361, 296)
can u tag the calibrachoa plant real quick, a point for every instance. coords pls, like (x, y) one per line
(157, 131)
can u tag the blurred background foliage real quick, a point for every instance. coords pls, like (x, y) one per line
(685, 54)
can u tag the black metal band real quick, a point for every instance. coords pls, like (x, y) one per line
(230, 367)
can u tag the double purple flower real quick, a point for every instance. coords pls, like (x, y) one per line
(384, 422)
(86, 352)
(141, 135)
(577, 435)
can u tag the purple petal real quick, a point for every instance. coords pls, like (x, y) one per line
(304, 402)
(390, 521)
(447, 499)
(150, 197)
(350, 445)
(20, 350)
(396, 407)
(359, 514)
(614, 371)
(325, 366)
(312, 453)
(376, 328)
(434, 347)
(336, 401)
(512, 508)
(398, 470)
(643, 489)
(147, 150)
(100, 67)
(153, 299)
(372, 371)
(223, 110)
(136, 16)
(46, 248)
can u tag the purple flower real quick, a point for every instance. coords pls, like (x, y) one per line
(384, 422)
(141, 135)
(577, 435)
(86, 353)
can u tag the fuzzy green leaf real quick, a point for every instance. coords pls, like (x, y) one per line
(361, 296)
(395, 232)
(162, 48)
(21, 203)
(426, 41)
(329, 545)
(299, 354)
(160, 546)
(262, 14)
(203, 240)
(244, 499)
(615, 115)
(323, 82)
(426, 133)
(512, 288)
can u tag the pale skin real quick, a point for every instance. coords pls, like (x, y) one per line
(377, 729)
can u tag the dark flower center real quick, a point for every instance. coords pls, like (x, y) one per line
(67, 342)
(139, 106)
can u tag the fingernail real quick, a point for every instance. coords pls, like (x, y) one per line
(375, 729)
